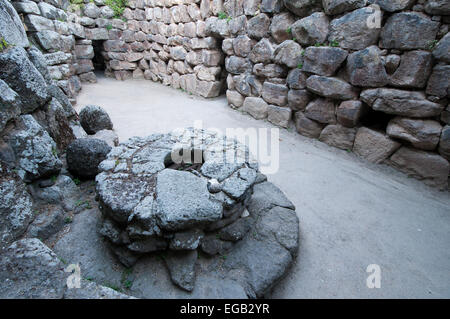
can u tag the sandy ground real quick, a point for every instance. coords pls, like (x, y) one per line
(352, 213)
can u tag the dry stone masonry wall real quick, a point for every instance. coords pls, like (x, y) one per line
(370, 77)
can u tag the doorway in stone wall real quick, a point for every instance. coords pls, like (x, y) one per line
(99, 59)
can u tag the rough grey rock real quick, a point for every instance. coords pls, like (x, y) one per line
(394, 5)
(279, 26)
(269, 70)
(275, 93)
(11, 27)
(399, 102)
(243, 45)
(321, 110)
(288, 53)
(298, 99)
(262, 52)
(444, 144)
(349, 113)
(331, 87)
(266, 196)
(279, 116)
(29, 269)
(235, 98)
(39, 61)
(411, 24)
(391, 63)
(422, 134)
(303, 8)
(94, 118)
(296, 79)
(429, 167)
(323, 60)
(442, 50)
(373, 145)
(187, 240)
(439, 81)
(437, 7)
(365, 68)
(34, 149)
(312, 29)
(183, 201)
(11, 105)
(84, 155)
(256, 107)
(148, 245)
(338, 136)
(235, 231)
(237, 65)
(414, 70)
(62, 191)
(334, 7)
(258, 26)
(181, 267)
(22, 77)
(352, 31)
(16, 206)
(212, 245)
(47, 223)
(219, 170)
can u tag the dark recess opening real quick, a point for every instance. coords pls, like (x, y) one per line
(98, 60)
(376, 120)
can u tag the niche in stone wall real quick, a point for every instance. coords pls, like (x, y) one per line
(99, 59)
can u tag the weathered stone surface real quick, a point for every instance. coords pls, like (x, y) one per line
(258, 26)
(302, 8)
(187, 240)
(334, 7)
(38, 23)
(256, 107)
(237, 65)
(243, 45)
(429, 167)
(298, 99)
(307, 127)
(321, 110)
(11, 27)
(414, 70)
(94, 118)
(330, 87)
(297, 79)
(312, 29)
(423, 134)
(352, 31)
(235, 98)
(399, 102)
(34, 149)
(279, 115)
(47, 224)
(11, 105)
(349, 113)
(265, 197)
(16, 206)
(262, 52)
(235, 231)
(22, 77)
(323, 60)
(411, 24)
(181, 267)
(394, 5)
(39, 61)
(275, 93)
(444, 144)
(183, 201)
(280, 26)
(442, 50)
(438, 7)
(338, 136)
(365, 68)
(373, 145)
(288, 53)
(91, 290)
(26, 7)
(439, 81)
(84, 155)
(29, 269)
(391, 63)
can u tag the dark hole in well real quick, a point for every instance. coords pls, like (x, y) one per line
(376, 120)
(98, 60)
(186, 160)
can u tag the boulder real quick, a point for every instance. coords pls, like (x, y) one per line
(16, 206)
(323, 60)
(444, 143)
(47, 224)
(399, 102)
(181, 267)
(298, 99)
(280, 26)
(331, 87)
(84, 155)
(365, 68)
(243, 45)
(437, 7)
(258, 26)
(11, 104)
(262, 52)
(429, 167)
(269, 70)
(288, 53)
(297, 79)
(353, 30)
(422, 134)
(411, 24)
(23, 77)
(275, 93)
(40, 62)
(334, 7)
(394, 5)
(256, 107)
(311, 30)
(414, 70)
(237, 65)
(94, 118)
(338, 136)
(34, 149)
(349, 113)
(279, 116)
(373, 145)
(439, 81)
(235, 98)
(11, 27)
(442, 50)
(321, 110)
(303, 8)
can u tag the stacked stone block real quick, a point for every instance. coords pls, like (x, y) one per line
(367, 76)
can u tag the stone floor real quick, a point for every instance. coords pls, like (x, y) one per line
(352, 213)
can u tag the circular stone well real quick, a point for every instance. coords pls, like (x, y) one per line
(197, 200)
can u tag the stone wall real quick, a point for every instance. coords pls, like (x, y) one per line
(377, 89)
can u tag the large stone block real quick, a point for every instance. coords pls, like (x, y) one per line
(365, 68)
(414, 70)
(321, 110)
(338, 136)
(288, 53)
(279, 116)
(256, 107)
(312, 29)
(323, 60)
(306, 126)
(275, 93)
(331, 87)
(11, 27)
(374, 146)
